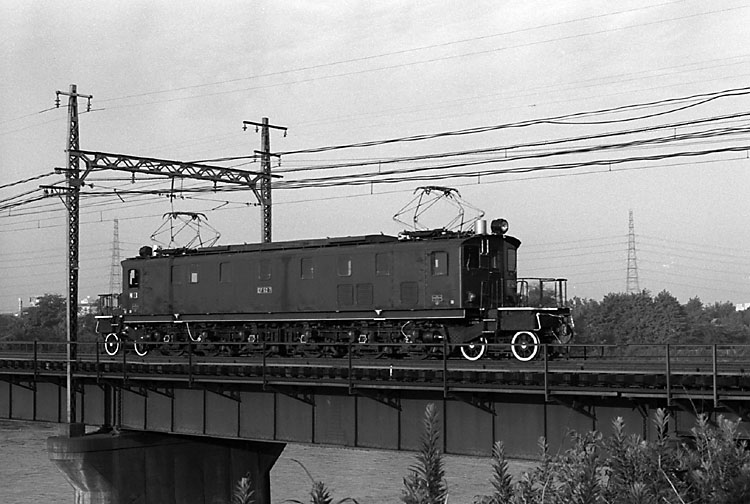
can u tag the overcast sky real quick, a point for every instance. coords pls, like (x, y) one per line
(175, 80)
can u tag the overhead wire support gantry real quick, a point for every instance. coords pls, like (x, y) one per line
(173, 169)
(70, 193)
(169, 168)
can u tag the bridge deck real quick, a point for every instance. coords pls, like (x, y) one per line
(375, 403)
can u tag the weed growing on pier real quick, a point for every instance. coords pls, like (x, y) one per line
(243, 492)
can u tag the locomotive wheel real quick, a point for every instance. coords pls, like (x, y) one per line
(111, 344)
(475, 350)
(140, 348)
(524, 345)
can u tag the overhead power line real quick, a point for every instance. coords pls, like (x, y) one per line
(512, 147)
(373, 178)
(703, 97)
(30, 179)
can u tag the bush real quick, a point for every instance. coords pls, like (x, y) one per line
(712, 466)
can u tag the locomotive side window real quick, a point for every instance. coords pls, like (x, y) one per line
(344, 266)
(264, 269)
(134, 278)
(225, 272)
(439, 262)
(511, 259)
(307, 268)
(383, 262)
(193, 273)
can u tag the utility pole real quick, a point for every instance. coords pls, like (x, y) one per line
(631, 285)
(73, 187)
(264, 194)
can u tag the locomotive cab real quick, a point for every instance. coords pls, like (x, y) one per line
(520, 314)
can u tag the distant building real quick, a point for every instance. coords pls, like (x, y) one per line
(742, 306)
(87, 306)
(33, 301)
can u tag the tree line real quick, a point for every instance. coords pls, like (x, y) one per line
(642, 318)
(618, 318)
(46, 321)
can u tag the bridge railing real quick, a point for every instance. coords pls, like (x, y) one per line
(669, 368)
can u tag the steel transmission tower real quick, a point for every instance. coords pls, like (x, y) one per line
(632, 280)
(115, 272)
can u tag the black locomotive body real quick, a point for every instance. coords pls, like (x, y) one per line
(374, 291)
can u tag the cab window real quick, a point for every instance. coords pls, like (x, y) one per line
(134, 278)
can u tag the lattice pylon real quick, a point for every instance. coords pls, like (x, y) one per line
(115, 272)
(632, 285)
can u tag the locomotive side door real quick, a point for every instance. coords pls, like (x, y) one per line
(267, 275)
(155, 298)
(442, 276)
(481, 273)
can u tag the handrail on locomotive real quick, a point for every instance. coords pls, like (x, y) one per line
(539, 292)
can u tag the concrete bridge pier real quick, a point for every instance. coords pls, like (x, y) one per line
(114, 468)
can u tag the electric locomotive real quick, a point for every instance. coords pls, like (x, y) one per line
(400, 294)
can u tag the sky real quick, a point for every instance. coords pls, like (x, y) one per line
(561, 117)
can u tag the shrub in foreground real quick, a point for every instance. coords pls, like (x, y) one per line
(712, 466)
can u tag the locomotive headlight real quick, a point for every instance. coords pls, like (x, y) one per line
(499, 226)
